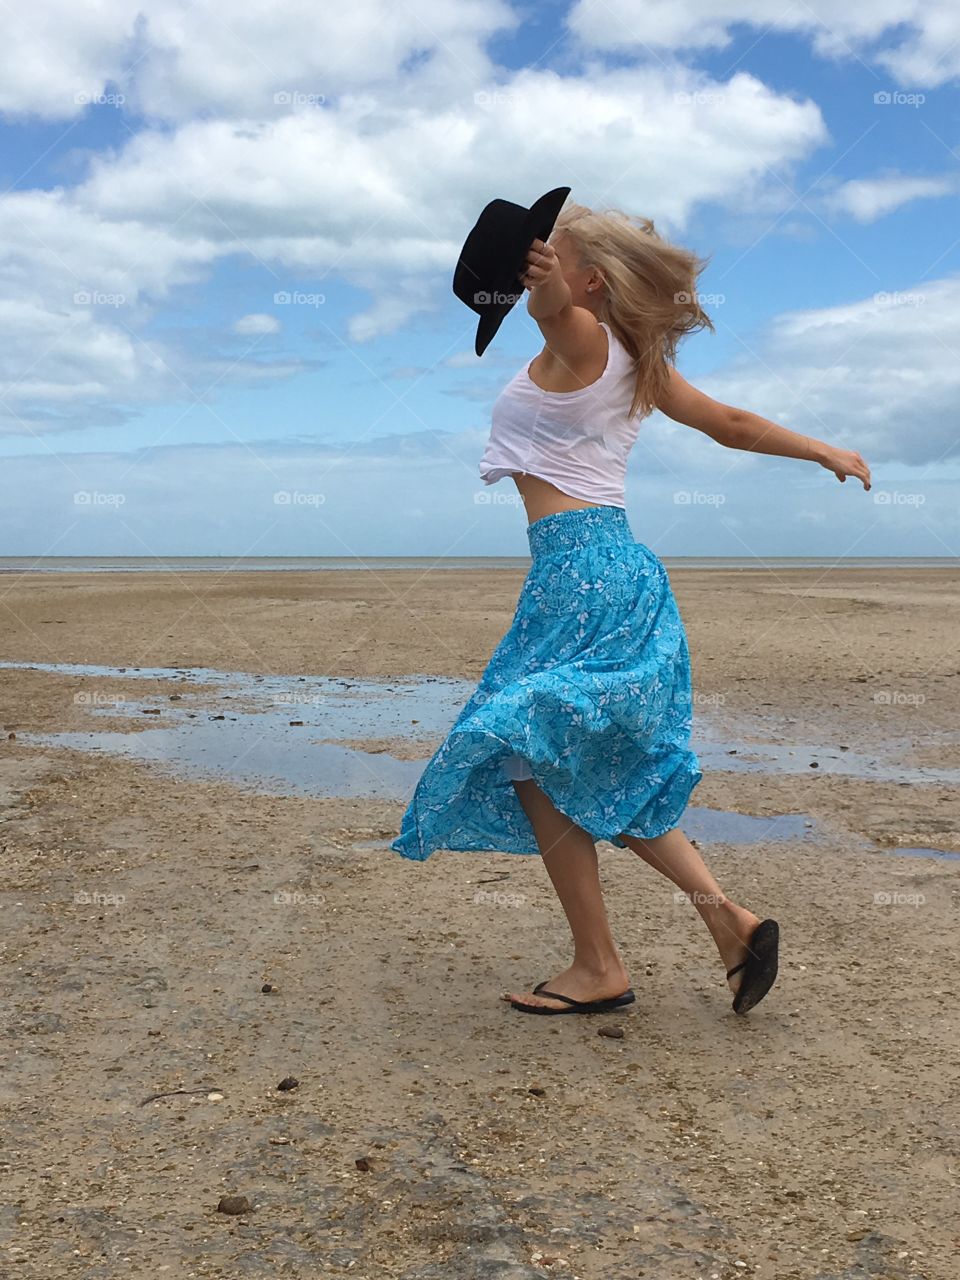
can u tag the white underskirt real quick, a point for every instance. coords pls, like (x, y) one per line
(517, 768)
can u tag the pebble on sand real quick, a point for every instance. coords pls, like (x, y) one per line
(234, 1205)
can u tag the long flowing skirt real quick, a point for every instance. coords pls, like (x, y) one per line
(588, 693)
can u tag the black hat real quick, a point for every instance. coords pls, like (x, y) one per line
(494, 255)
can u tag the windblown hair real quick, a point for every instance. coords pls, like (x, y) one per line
(650, 294)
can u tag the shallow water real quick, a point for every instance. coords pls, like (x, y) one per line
(242, 732)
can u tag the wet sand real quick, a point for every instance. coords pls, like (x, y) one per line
(815, 1139)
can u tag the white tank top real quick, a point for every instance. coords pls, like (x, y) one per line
(578, 440)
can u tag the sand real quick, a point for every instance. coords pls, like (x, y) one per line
(815, 1139)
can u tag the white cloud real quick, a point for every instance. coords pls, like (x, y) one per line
(880, 375)
(256, 324)
(175, 58)
(925, 33)
(318, 192)
(868, 199)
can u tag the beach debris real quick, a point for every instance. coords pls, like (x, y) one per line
(218, 717)
(297, 723)
(267, 988)
(234, 1205)
(612, 1032)
(175, 697)
(173, 1093)
(363, 1164)
(279, 1142)
(288, 1083)
(150, 711)
(537, 1091)
(11, 737)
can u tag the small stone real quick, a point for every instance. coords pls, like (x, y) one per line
(279, 1142)
(614, 1033)
(214, 1097)
(859, 1234)
(267, 988)
(11, 737)
(150, 711)
(363, 1164)
(297, 723)
(234, 1205)
(288, 1082)
(536, 1091)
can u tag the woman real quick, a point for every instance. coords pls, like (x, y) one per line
(579, 727)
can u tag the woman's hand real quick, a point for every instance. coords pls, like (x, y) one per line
(843, 463)
(542, 263)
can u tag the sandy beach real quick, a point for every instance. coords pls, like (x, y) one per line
(433, 1131)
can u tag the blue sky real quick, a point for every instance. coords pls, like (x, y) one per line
(170, 173)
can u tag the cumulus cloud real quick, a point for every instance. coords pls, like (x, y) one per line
(256, 324)
(312, 192)
(173, 59)
(922, 36)
(880, 375)
(868, 199)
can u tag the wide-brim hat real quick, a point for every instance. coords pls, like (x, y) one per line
(494, 254)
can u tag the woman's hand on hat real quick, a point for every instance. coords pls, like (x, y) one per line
(542, 263)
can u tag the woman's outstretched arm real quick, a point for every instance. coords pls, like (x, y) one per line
(740, 429)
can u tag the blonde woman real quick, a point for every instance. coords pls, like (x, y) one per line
(579, 728)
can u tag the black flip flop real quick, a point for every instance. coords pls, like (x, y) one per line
(759, 968)
(576, 1006)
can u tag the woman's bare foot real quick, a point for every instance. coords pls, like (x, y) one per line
(731, 927)
(581, 983)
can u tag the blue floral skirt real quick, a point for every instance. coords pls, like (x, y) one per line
(588, 693)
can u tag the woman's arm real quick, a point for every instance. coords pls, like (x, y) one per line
(740, 429)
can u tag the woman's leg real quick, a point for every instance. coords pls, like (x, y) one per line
(570, 856)
(730, 925)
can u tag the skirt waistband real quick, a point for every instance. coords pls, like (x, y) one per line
(578, 527)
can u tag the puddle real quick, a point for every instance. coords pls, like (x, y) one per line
(242, 733)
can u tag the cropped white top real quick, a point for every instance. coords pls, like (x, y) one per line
(578, 440)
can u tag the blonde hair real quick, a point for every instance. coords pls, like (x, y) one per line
(650, 295)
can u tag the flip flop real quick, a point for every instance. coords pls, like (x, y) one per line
(759, 968)
(576, 1006)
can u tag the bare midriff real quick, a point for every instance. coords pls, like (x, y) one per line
(541, 498)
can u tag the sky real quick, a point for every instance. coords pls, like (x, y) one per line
(228, 235)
